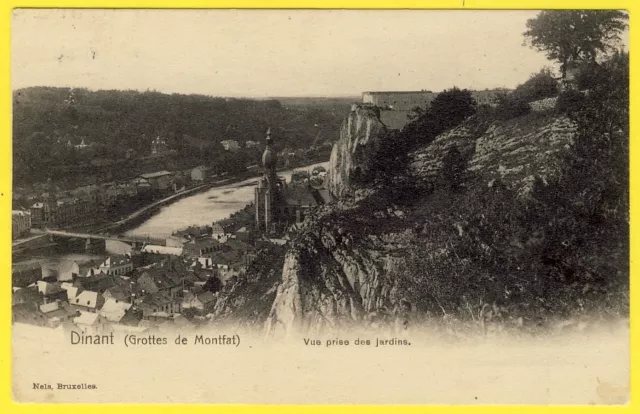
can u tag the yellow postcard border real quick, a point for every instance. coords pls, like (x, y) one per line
(6, 7)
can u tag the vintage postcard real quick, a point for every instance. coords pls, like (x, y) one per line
(320, 206)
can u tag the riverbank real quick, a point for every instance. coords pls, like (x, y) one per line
(146, 212)
(205, 207)
(209, 207)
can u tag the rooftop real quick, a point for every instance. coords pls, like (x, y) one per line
(86, 298)
(117, 260)
(86, 318)
(299, 196)
(206, 297)
(155, 174)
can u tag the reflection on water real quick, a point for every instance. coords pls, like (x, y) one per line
(204, 208)
(54, 259)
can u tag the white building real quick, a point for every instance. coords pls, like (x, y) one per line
(91, 323)
(117, 265)
(20, 223)
(230, 145)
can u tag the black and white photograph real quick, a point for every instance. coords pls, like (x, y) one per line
(227, 206)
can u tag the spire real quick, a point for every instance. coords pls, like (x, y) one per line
(269, 157)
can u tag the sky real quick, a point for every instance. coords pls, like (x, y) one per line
(271, 53)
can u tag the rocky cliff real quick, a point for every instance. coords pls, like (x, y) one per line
(514, 151)
(360, 137)
(385, 263)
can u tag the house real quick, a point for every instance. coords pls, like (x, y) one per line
(232, 258)
(159, 302)
(45, 213)
(202, 263)
(203, 302)
(159, 280)
(20, 223)
(50, 292)
(114, 310)
(131, 317)
(91, 323)
(121, 292)
(141, 185)
(86, 301)
(57, 312)
(36, 212)
(160, 180)
(199, 247)
(230, 145)
(71, 291)
(98, 282)
(200, 173)
(93, 271)
(117, 265)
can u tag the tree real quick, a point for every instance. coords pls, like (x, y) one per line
(569, 35)
(212, 284)
(540, 85)
(451, 107)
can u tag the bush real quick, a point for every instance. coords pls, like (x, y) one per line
(510, 106)
(451, 107)
(539, 86)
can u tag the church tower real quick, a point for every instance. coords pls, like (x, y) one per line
(266, 194)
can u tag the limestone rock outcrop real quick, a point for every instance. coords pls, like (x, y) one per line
(352, 155)
(514, 151)
(346, 265)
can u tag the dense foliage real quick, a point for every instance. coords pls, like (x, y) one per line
(539, 86)
(118, 124)
(561, 251)
(448, 109)
(510, 105)
(571, 35)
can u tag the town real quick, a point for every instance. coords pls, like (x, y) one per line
(170, 283)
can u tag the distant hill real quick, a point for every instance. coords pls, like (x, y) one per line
(47, 119)
(340, 104)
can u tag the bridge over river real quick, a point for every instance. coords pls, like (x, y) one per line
(90, 236)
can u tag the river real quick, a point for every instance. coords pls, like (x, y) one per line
(204, 208)
(199, 209)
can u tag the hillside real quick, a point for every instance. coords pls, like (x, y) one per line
(495, 224)
(46, 119)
